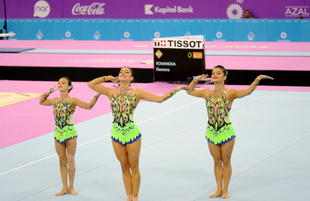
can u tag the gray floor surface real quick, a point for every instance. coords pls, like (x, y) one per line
(270, 160)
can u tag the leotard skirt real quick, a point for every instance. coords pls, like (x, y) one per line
(125, 135)
(224, 134)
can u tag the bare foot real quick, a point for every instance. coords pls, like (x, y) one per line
(225, 194)
(73, 192)
(63, 191)
(216, 194)
(135, 199)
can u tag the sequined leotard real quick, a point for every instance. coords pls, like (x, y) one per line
(124, 130)
(64, 128)
(219, 128)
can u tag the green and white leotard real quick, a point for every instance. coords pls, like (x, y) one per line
(64, 129)
(219, 128)
(124, 130)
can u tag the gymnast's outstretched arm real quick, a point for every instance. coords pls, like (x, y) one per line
(252, 87)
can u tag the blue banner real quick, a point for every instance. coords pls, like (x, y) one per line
(250, 30)
(284, 30)
(129, 30)
(305, 30)
(147, 30)
(40, 30)
(186, 27)
(155, 29)
(18, 27)
(219, 30)
(97, 30)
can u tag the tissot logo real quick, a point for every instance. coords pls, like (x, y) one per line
(163, 43)
(178, 44)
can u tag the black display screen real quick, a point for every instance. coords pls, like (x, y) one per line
(178, 64)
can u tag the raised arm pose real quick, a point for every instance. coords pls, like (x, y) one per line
(126, 136)
(220, 133)
(65, 134)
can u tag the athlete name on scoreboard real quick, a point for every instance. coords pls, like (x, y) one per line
(178, 43)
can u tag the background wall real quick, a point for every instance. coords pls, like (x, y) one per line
(146, 30)
(155, 9)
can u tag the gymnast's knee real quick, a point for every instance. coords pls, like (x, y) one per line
(71, 161)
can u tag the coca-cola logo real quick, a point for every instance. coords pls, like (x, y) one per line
(93, 9)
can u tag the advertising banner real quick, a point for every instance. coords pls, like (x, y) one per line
(129, 30)
(146, 30)
(40, 29)
(18, 27)
(155, 9)
(103, 9)
(178, 59)
(28, 9)
(97, 30)
(284, 30)
(250, 30)
(156, 29)
(162, 9)
(264, 9)
(305, 30)
(219, 30)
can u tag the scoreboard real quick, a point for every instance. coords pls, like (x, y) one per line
(178, 59)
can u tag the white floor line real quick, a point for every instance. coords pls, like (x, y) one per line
(208, 190)
(282, 98)
(12, 170)
(27, 164)
(256, 99)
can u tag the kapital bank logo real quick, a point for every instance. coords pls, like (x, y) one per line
(149, 10)
(41, 9)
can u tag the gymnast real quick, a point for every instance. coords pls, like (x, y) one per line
(126, 136)
(220, 133)
(65, 134)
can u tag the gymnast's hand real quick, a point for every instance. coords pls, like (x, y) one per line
(183, 87)
(265, 77)
(114, 79)
(51, 90)
(203, 77)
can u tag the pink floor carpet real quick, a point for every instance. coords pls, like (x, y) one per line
(134, 60)
(29, 119)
